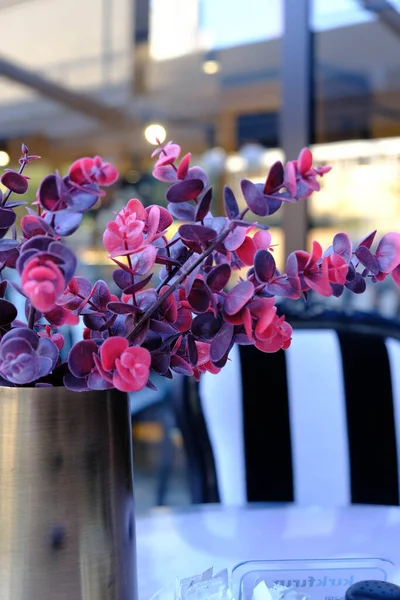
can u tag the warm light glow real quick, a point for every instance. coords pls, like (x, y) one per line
(155, 132)
(235, 163)
(210, 67)
(4, 158)
(174, 28)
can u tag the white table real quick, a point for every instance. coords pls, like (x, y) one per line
(182, 543)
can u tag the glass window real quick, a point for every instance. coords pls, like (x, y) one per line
(357, 120)
(209, 73)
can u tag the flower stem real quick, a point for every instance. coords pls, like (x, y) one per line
(9, 192)
(185, 272)
(31, 318)
(172, 274)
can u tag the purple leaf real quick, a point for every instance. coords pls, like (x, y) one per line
(101, 294)
(7, 218)
(139, 285)
(46, 349)
(275, 178)
(192, 350)
(254, 198)
(15, 182)
(204, 205)
(199, 297)
(238, 297)
(64, 222)
(96, 382)
(140, 336)
(357, 285)
(221, 342)
(80, 359)
(166, 260)
(75, 384)
(6, 245)
(235, 239)
(337, 289)
(242, 340)
(23, 332)
(287, 288)
(182, 212)
(179, 365)
(160, 362)
(93, 321)
(369, 240)
(205, 326)
(166, 173)
(15, 204)
(122, 278)
(184, 191)
(230, 203)
(48, 193)
(264, 266)
(109, 323)
(198, 173)
(39, 242)
(274, 201)
(342, 246)
(143, 262)
(8, 312)
(146, 298)
(32, 225)
(162, 327)
(121, 308)
(68, 258)
(218, 277)
(388, 252)
(81, 201)
(367, 259)
(198, 234)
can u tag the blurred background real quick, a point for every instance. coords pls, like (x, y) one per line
(239, 84)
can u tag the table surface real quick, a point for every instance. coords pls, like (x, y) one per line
(175, 543)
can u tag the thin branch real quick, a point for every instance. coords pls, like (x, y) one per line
(182, 277)
(31, 318)
(9, 192)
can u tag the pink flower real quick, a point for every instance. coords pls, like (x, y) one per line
(56, 338)
(43, 282)
(314, 273)
(301, 177)
(167, 154)
(247, 251)
(204, 364)
(93, 170)
(278, 335)
(127, 367)
(125, 234)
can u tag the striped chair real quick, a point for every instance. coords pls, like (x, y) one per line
(316, 424)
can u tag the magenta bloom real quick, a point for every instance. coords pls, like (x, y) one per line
(313, 273)
(43, 282)
(93, 170)
(276, 336)
(301, 177)
(125, 234)
(25, 357)
(128, 367)
(167, 154)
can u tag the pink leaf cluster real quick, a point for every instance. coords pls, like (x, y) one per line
(188, 321)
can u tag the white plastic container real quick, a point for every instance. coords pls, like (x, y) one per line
(318, 579)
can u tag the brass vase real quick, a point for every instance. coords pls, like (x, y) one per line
(67, 527)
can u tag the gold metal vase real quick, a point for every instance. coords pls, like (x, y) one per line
(67, 527)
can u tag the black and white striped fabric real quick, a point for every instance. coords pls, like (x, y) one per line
(316, 424)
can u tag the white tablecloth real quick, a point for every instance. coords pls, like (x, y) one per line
(182, 543)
